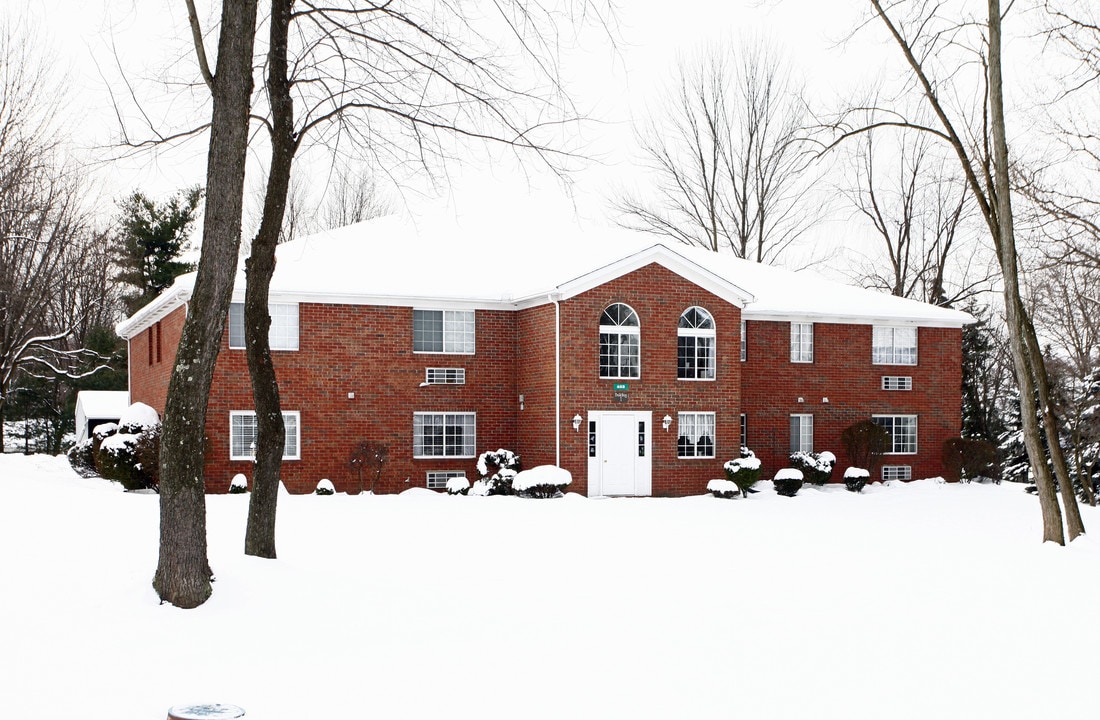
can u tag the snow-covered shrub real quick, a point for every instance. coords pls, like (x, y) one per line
(816, 468)
(480, 488)
(129, 452)
(238, 485)
(856, 478)
(544, 481)
(82, 457)
(325, 487)
(788, 482)
(498, 469)
(725, 489)
(966, 460)
(458, 485)
(743, 471)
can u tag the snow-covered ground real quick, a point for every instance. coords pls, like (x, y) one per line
(909, 601)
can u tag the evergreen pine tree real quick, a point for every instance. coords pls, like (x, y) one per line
(151, 237)
(981, 385)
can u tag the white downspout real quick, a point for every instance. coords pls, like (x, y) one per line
(129, 374)
(557, 380)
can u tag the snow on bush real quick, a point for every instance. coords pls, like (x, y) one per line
(500, 482)
(82, 457)
(544, 481)
(722, 488)
(480, 488)
(458, 485)
(743, 471)
(816, 468)
(855, 478)
(137, 418)
(239, 484)
(788, 482)
(102, 431)
(325, 487)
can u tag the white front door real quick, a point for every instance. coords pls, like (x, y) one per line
(620, 463)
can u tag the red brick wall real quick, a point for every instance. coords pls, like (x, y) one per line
(659, 296)
(535, 380)
(150, 372)
(842, 372)
(367, 350)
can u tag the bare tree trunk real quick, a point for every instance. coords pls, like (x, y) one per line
(270, 433)
(1020, 332)
(183, 572)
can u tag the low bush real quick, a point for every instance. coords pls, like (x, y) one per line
(82, 458)
(966, 460)
(744, 471)
(725, 489)
(542, 482)
(865, 443)
(238, 485)
(458, 485)
(788, 482)
(855, 479)
(325, 487)
(505, 463)
(817, 468)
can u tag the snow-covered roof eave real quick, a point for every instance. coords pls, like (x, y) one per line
(161, 306)
(948, 318)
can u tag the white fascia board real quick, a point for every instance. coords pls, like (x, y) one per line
(659, 254)
(175, 297)
(848, 319)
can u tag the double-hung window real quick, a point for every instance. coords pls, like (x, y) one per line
(894, 345)
(447, 435)
(802, 433)
(903, 432)
(620, 343)
(242, 435)
(695, 345)
(695, 431)
(443, 331)
(283, 333)
(744, 343)
(802, 342)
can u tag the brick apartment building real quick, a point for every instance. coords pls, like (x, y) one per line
(638, 366)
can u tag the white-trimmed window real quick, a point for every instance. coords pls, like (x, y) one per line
(242, 435)
(283, 334)
(695, 435)
(897, 382)
(903, 432)
(445, 376)
(437, 479)
(894, 345)
(695, 342)
(802, 342)
(451, 435)
(802, 433)
(443, 331)
(620, 342)
(897, 472)
(744, 343)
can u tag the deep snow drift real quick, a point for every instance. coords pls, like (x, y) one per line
(907, 601)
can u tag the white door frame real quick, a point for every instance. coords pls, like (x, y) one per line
(642, 469)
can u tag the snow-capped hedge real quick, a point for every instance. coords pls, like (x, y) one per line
(458, 485)
(788, 482)
(816, 468)
(743, 471)
(723, 488)
(856, 478)
(544, 481)
(325, 487)
(500, 482)
(127, 452)
(239, 484)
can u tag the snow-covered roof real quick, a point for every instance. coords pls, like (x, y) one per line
(100, 404)
(509, 265)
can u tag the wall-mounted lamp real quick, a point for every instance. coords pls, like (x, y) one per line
(666, 422)
(825, 400)
(801, 400)
(521, 402)
(577, 420)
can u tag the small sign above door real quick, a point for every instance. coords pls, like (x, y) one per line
(621, 386)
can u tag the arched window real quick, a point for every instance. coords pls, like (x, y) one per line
(695, 339)
(620, 342)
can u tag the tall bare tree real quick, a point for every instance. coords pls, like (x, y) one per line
(183, 571)
(920, 213)
(928, 39)
(450, 88)
(730, 170)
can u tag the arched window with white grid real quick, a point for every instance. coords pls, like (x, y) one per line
(695, 343)
(620, 342)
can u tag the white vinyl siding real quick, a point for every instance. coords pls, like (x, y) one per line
(444, 331)
(449, 435)
(283, 334)
(802, 342)
(894, 345)
(242, 435)
(903, 432)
